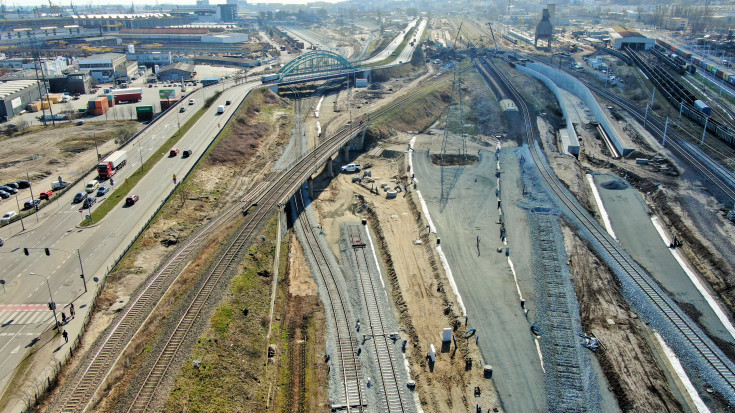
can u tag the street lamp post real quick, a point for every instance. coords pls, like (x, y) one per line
(51, 304)
(79, 256)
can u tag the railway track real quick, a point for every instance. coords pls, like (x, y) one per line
(711, 169)
(350, 371)
(267, 195)
(393, 398)
(714, 361)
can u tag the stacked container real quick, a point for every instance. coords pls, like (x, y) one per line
(98, 106)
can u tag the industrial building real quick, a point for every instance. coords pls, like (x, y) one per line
(107, 67)
(16, 95)
(74, 83)
(624, 37)
(151, 58)
(176, 72)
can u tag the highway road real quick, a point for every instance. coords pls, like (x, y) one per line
(24, 314)
(385, 53)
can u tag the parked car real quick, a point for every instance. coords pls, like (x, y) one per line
(9, 189)
(80, 122)
(187, 153)
(12, 185)
(57, 185)
(351, 167)
(79, 197)
(182, 109)
(45, 195)
(131, 200)
(2, 242)
(22, 184)
(103, 190)
(8, 217)
(4, 195)
(173, 152)
(88, 202)
(31, 203)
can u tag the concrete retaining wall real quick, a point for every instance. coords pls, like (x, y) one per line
(573, 146)
(575, 87)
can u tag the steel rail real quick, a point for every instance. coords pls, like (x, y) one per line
(695, 338)
(394, 400)
(280, 188)
(656, 126)
(349, 363)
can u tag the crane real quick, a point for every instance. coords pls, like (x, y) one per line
(454, 46)
(493, 34)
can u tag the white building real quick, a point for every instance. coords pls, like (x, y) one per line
(50, 67)
(226, 38)
(103, 67)
(624, 37)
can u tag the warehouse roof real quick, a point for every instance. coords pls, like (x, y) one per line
(186, 67)
(626, 32)
(14, 86)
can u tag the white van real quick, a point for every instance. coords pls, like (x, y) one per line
(220, 109)
(92, 186)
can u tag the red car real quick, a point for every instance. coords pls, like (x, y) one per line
(173, 152)
(131, 200)
(45, 195)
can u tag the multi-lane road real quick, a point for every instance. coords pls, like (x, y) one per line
(24, 313)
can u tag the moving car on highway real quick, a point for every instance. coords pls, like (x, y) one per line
(131, 200)
(79, 197)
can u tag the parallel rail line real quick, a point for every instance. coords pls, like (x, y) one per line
(696, 339)
(347, 347)
(394, 400)
(713, 172)
(267, 196)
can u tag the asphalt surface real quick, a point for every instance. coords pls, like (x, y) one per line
(407, 51)
(634, 230)
(483, 275)
(24, 314)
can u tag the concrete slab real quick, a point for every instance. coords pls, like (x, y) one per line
(636, 233)
(483, 275)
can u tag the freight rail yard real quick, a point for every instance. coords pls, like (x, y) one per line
(449, 219)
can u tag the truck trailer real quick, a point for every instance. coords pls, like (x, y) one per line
(128, 95)
(109, 166)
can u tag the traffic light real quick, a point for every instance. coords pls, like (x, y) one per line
(47, 251)
(25, 251)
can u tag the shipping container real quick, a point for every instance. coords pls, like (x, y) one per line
(144, 113)
(703, 107)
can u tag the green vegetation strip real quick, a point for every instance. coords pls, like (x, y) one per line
(399, 48)
(123, 188)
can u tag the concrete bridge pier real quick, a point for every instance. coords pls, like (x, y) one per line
(346, 150)
(330, 168)
(310, 185)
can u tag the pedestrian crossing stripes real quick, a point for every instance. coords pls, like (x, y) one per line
(22, 307)
(25, 317)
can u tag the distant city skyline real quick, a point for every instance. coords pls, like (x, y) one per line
(11, 4)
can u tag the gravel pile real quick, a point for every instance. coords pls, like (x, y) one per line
(571, 384)
(696, 366)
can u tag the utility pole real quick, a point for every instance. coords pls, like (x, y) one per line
(704, 131)
(666, 129)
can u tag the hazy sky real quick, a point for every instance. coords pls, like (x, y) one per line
(126, 3)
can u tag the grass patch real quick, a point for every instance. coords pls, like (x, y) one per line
(81, 143)
(124, 188)
(232, 358)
